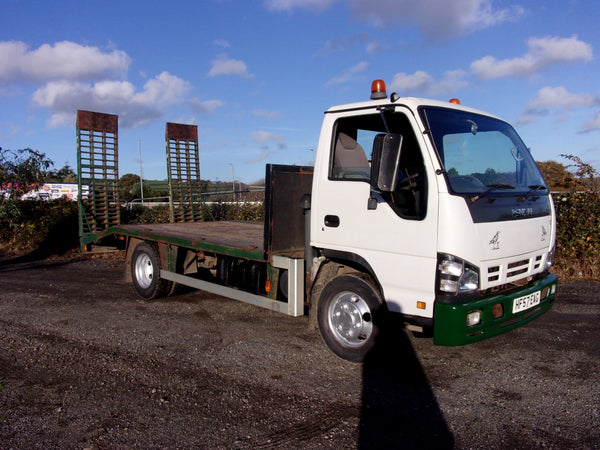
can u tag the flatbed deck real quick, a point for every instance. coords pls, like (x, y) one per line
(235, 238)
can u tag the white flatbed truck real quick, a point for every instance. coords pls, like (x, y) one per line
(430, 210)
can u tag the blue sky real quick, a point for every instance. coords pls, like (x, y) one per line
(256, 76)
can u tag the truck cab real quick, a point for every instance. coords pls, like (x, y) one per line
(440, 210)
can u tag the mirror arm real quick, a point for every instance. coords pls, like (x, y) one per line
(385, 124)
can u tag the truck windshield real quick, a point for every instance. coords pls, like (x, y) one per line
(482, 155)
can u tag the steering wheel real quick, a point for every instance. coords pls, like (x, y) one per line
(407, 183)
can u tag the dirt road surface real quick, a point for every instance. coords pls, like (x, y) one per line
(84, 364)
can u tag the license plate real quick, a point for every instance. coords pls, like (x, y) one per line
(526, 302)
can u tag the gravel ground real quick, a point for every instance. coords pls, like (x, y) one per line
(84, 364)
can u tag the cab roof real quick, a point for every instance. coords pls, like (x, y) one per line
(412, 103)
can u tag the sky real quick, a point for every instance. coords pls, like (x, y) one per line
(257, 76)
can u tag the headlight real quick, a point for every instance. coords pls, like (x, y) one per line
(456, 276)
(469, 281)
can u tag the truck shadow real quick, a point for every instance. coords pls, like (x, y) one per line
(29, 262)
(399, 409)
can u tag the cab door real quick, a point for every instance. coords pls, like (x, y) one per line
(394, 235)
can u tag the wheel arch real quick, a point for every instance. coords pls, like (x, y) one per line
(337, 263)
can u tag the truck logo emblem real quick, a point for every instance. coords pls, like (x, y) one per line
(495, 242)
(544, 233)
(519, 213)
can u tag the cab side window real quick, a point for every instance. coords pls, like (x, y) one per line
(352, 150)
(349, 158)
(409, 200)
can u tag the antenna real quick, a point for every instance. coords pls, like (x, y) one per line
(141, 171)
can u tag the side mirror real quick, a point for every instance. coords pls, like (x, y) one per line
(386, 158)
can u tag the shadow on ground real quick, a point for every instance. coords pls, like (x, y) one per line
(399, 409)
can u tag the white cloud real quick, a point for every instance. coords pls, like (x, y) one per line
(266, 114)
(266, 139)
(436, 19)
(74, 76)
(289, 5)
(422, 82)
(205, 106)
(559, 98)
(63, 60)
(374, 47)
(263, 137)
(341, 45)
(222, 43)
(592, 124)
(525, 119)
(163, 90)
(228, 66)
(264, 154)
(348, 74)
(64, 97)
(542, 53)
(418, 81)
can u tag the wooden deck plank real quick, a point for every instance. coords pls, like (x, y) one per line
(236, 234)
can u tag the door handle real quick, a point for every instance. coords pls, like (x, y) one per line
(332, 221)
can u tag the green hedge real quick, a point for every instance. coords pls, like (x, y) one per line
(237, 211)
(578, 235)
(45, 228)
(141, 214)
(215, 211)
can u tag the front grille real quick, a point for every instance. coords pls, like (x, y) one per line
(513, 270)
(500, 288)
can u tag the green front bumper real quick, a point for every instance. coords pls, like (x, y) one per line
(450, 319)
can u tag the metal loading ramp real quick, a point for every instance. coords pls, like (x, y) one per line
(97, 174)
(183, 168)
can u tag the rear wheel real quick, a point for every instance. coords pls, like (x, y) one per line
(349, 316)
(145, 273)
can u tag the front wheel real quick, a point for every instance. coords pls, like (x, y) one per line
(349, 316)
(145, 273)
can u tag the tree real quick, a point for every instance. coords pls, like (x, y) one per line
(587, 175)
(129, 188)
(63, 175)
(22, 170)
(556, 175)
(126, 186)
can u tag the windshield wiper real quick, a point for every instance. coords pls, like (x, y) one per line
(532, 189)
(491, 188)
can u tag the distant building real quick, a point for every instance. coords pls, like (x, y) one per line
(54, 191)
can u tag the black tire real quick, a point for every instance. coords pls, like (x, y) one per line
(145, 273)
(349, 316)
